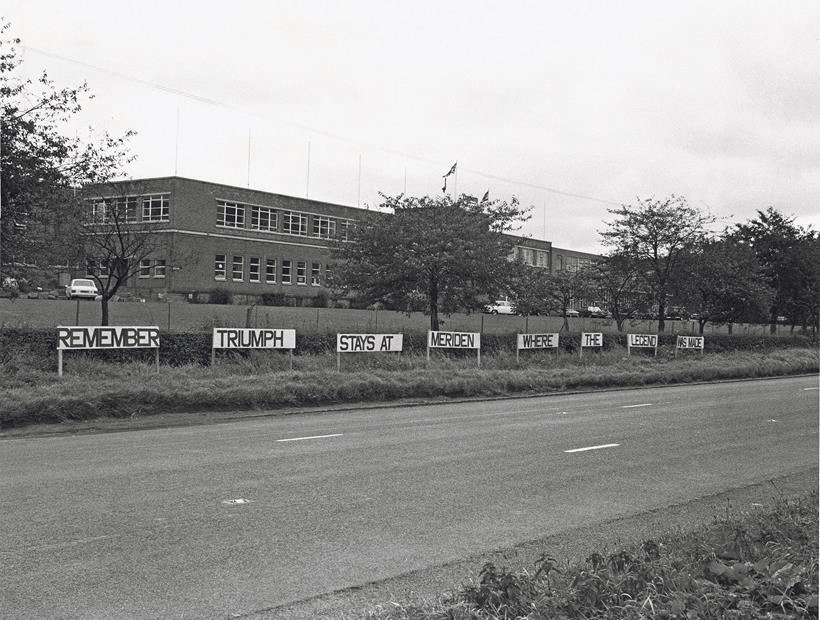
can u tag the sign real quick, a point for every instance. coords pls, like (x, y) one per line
(105, 337)
(641, 341)
(118, 337)
(369, 343)
(592, 340)
(246, 338)
(690, 342)
(537, 341)
(453, 340)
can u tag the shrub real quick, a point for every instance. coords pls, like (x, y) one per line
(220, 296)
(273, 299)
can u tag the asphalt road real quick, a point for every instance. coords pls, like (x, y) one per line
(222, 520)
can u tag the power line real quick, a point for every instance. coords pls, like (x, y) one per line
(329, 134)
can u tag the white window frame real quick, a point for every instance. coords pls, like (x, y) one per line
(223, 270)
(145, 268)
(324, 227)
(316, 274)
(294, 223)
(241, 263)
(254, 267)
(160, 268)
(301, 273)
(230, 214)
(155, 208)
(270, 214)
(287, 271)
(270, 271)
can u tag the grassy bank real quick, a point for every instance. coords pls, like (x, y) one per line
(761, 564)
(93, 388)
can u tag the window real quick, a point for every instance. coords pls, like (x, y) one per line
(541, 259)
(286, 275)
(98, 211)
(294, 223)
(145, 268)
(253, 269)
(315, 272)
(270, 271)
(263, 218)
(230, 214)
(219, 267)
(344, 230)
(159, 268)
(324, 226)
(126, 208)
(155, 208)
(301, 272)
(238, 268)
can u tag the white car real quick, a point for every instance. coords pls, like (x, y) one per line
(81, 288)
(502, 306)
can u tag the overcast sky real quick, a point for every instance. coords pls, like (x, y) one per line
(573, 107)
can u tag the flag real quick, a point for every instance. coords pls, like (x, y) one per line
(486, 196)
(452, 171)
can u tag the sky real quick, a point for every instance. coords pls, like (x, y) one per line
(574, 108)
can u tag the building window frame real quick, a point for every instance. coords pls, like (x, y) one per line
(294, 223)
(324, 227)
(230, 214)
(316, 274)
(264, 219)
(254, 265)
(220, 267)
(287, 271)
(145, 268)
(237, 267)
(160, 268)
(301, 273)
(156, 208)
(270, 271)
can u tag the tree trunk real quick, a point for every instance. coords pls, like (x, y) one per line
(701, 326)
(773, 323)
(661, 313)
(433, 300)
(619, 321)
(104, 308)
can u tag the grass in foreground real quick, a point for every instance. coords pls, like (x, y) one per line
(757, 565)
(92, 389)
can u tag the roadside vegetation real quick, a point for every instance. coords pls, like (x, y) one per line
(92, 388)
(761, 564)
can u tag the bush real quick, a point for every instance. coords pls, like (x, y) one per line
(273, 299)
(220, 296)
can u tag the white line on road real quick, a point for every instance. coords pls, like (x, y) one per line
(606, 445)
(807, 389)
(311, 437)
(631, 406)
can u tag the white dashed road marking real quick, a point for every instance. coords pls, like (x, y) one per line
(631, 406)
(606, 445)
(311, 437)
(807, 389)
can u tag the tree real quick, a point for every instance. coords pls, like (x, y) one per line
(722, 282)
(451, 253)
(620, 280)
(788, 256)
(656, 233)
(41, 168)
(538, 290)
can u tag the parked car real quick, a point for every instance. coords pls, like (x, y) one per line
(81, 288)
(573, 313)
(501, 306)
(594, 312)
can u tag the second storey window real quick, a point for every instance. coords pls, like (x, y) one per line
(145, 268)
(324, 226)
(219, 267)
(294, 223)
(263, 218)
(159, 268)
(155, 208)
(230, 214)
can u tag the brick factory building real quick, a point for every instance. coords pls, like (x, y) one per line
(251, 243)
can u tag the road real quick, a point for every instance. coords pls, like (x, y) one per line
(210, 521)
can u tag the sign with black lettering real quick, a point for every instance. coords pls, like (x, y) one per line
(453, 340)
(592, 340)
(369, 343)
(105, 337)
(537, 341)
(644, 341)
(690, 342)
(246, 338)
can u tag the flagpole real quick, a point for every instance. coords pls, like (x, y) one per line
(359, 194)
(249, 156)
(176, 147)
(307, 182)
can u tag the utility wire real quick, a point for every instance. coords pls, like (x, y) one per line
(222, 104)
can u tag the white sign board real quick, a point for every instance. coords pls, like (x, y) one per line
(690, 342)
(117, 337)
(453, 340)
(537, 341)
(592, 340)
(245, 338)
(105, 337)
(642, 341)
(369, 343)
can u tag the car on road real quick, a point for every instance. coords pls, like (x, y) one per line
(501, 306)
(595, 312)
(81, 288)
(573, 313)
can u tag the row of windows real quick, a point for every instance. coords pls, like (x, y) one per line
(152, 268)
(535, 258)
(268, 219)
(273, 270)
(152, 208)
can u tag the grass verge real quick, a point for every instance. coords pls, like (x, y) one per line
(93, 389)
(755, 565)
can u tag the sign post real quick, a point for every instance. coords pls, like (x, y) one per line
(454, 340)
(535, 341)
(367, 343)
(105, 337)
(594, 339)
(641, 341)
(251, 338)
(689, 342)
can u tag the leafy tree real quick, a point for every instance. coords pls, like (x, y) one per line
(722, 282)
(788, 256)
(451, 253)
(42, 168)
(656, 233)
(537, 290)
(620, 281)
